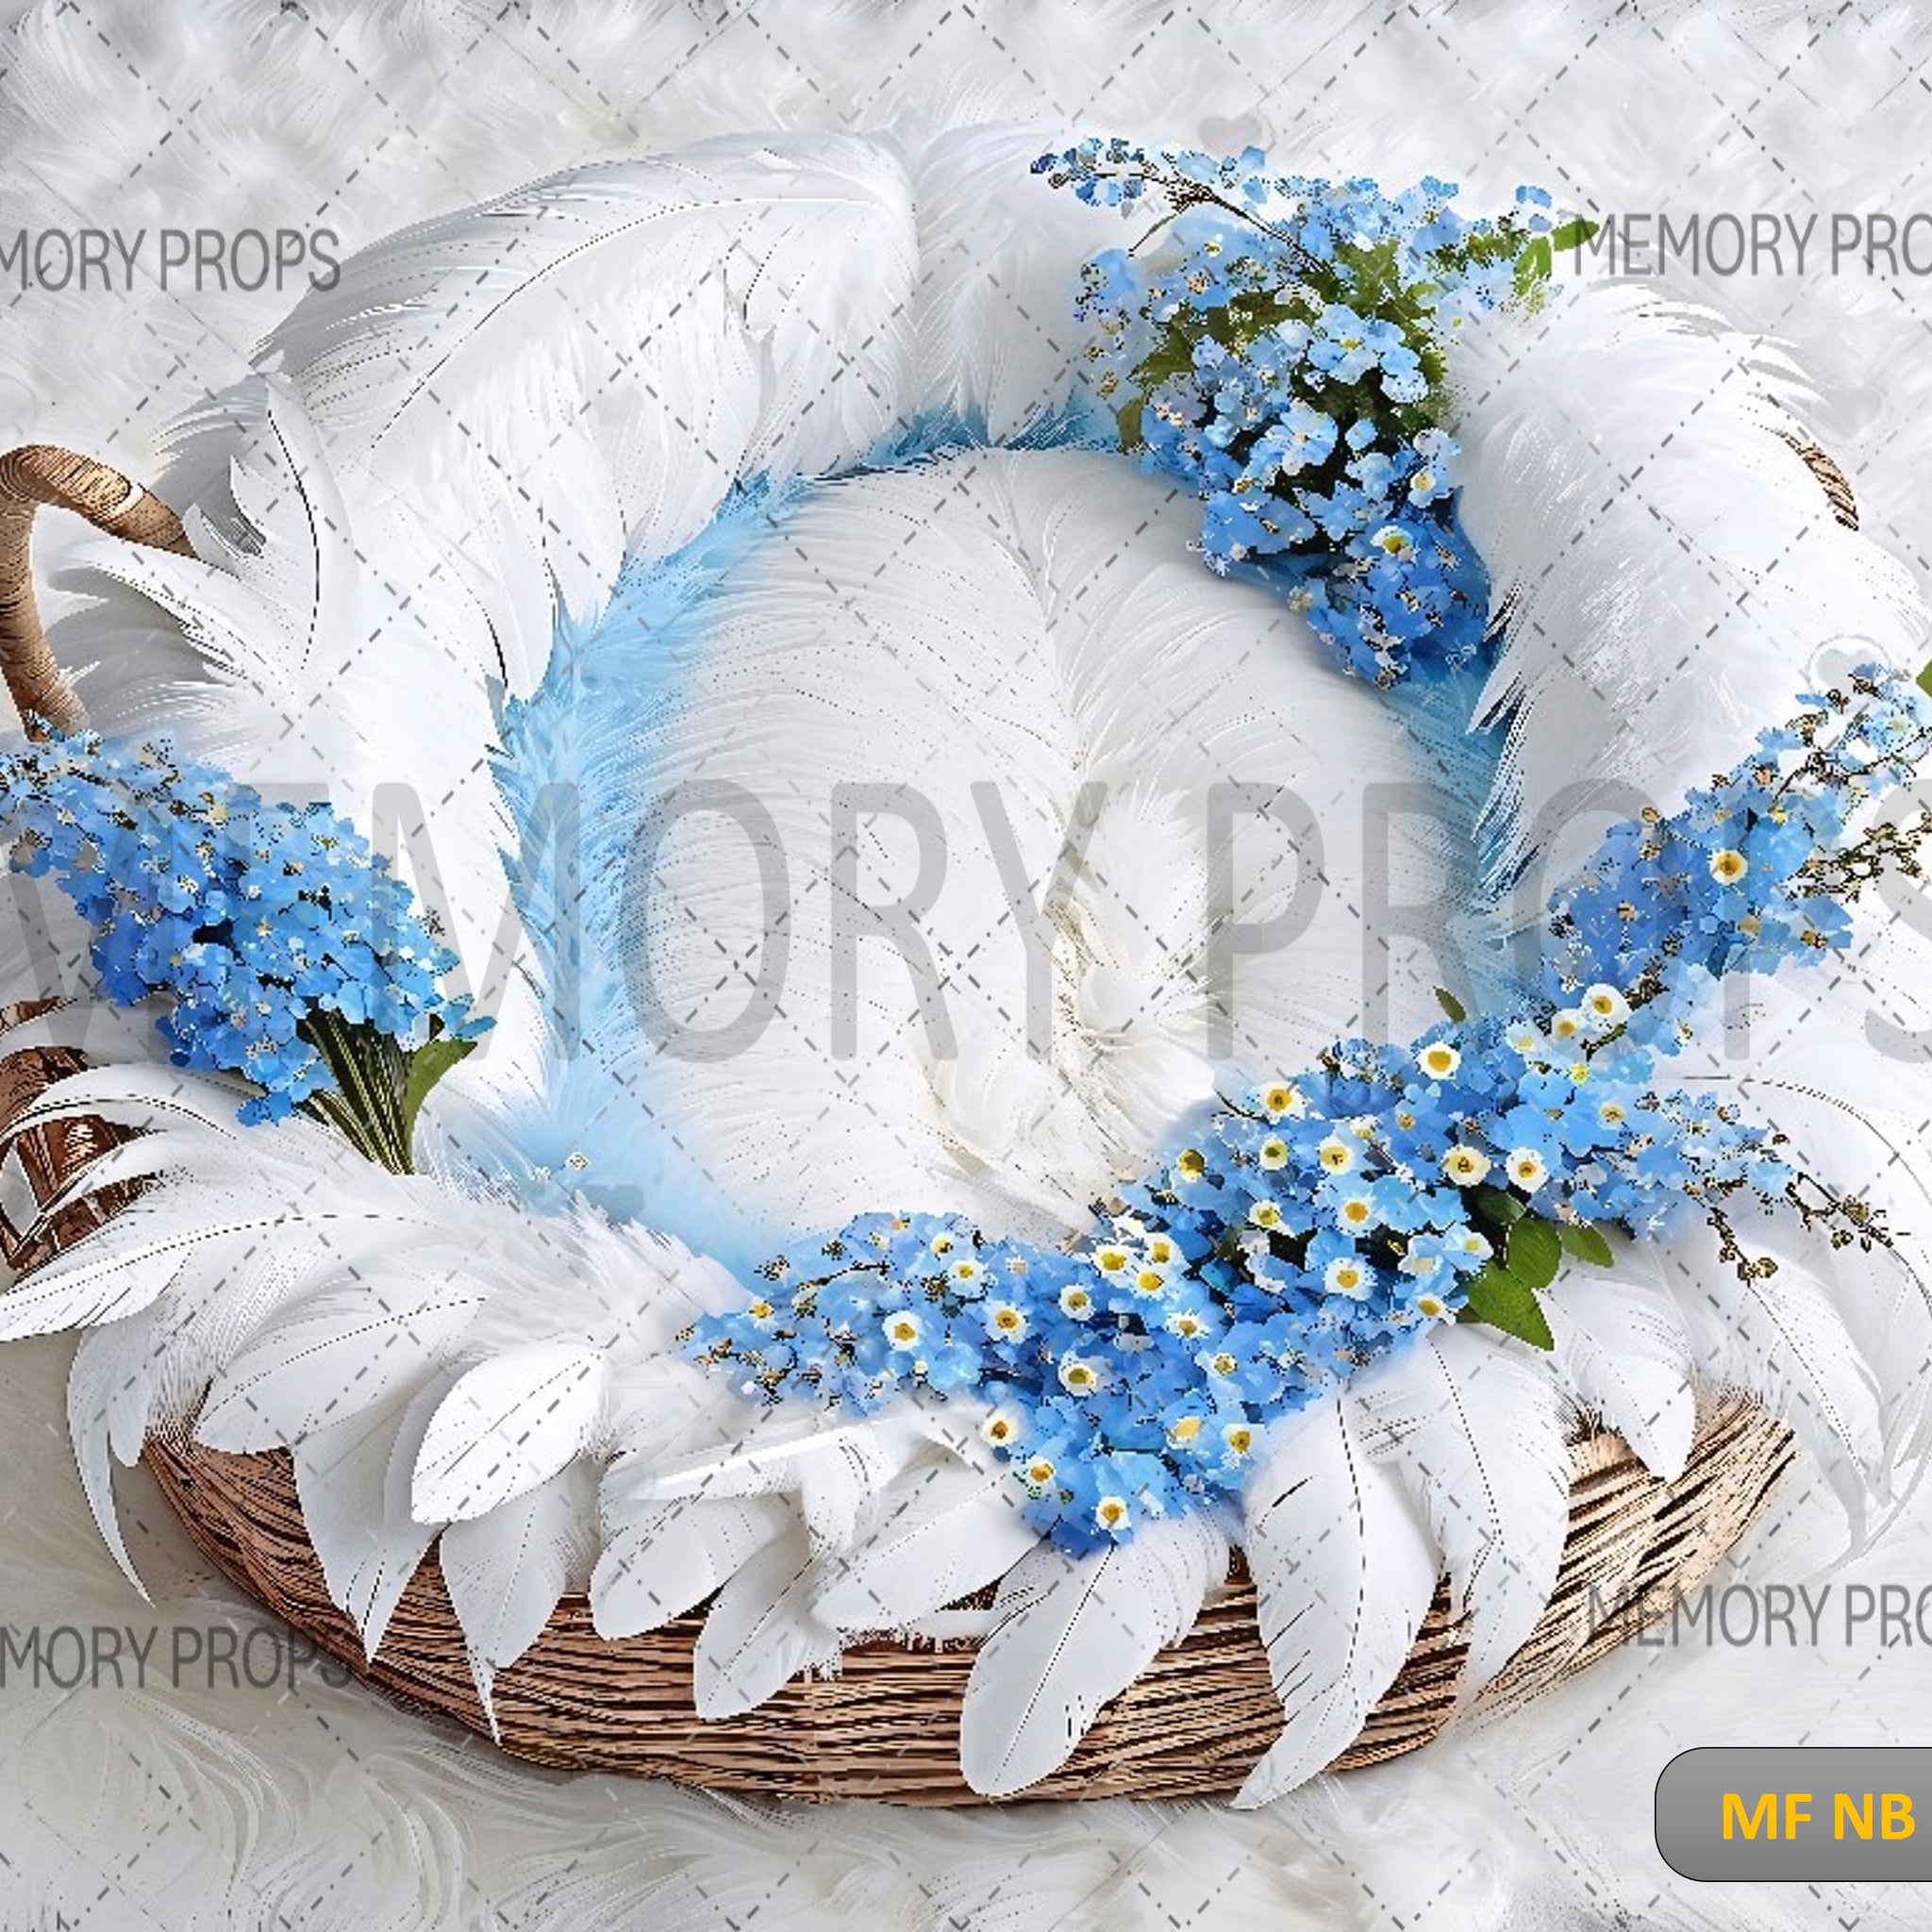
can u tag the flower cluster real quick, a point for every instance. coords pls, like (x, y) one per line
(1282, 354)
(1305, 1233)
(1326, 1219)
(272, 930)
(1757, 867)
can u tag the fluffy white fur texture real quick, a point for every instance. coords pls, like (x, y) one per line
(384, 1823)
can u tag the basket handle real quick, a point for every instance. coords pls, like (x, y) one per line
(29, 477)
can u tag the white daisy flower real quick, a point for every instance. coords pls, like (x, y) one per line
(1283, 1101)
(1346, 1275)
(1606, 1005)
(1527, 1170)
(1003, 1428)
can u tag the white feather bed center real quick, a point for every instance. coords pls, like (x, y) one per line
(1015, 638)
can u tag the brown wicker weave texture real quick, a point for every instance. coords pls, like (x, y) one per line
(886, 1724)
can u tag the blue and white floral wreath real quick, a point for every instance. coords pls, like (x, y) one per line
(492, 1232)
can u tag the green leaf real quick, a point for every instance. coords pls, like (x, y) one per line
(1587, 1244)
(1128, 417)
(1534, 1251)
(1534, 264)
(1573, 234)
(427, 1065)
(1497, 1206)
(1924, 679)
(1505, 1301)
(1451, 1005)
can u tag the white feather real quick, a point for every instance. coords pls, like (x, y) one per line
(181, 1156)
(109, 1392)
(119, 1271)
(1474, 1425)
(268, 601)
(1072, 1632)
(1803, 1056)
(999, 261)
(509, 1424)
(337, 656)
(599, 356)
(940, 1534)
(1004, 617)
(1580, 460)
(144, 1098)
(1343, 1577)
(762, 1631)
(340, 1349)
(1622, 1344)
(1782, 1340)
(506, 1572)
(352, 1480)
(832, 1473)
(665, 1557)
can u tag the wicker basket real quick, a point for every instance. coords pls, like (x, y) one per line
(885, 1725)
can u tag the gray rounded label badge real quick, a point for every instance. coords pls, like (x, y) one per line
(1818, 1812)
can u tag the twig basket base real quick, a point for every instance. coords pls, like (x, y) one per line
(887, 1725)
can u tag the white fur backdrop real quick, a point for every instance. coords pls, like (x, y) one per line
(172, 1806)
